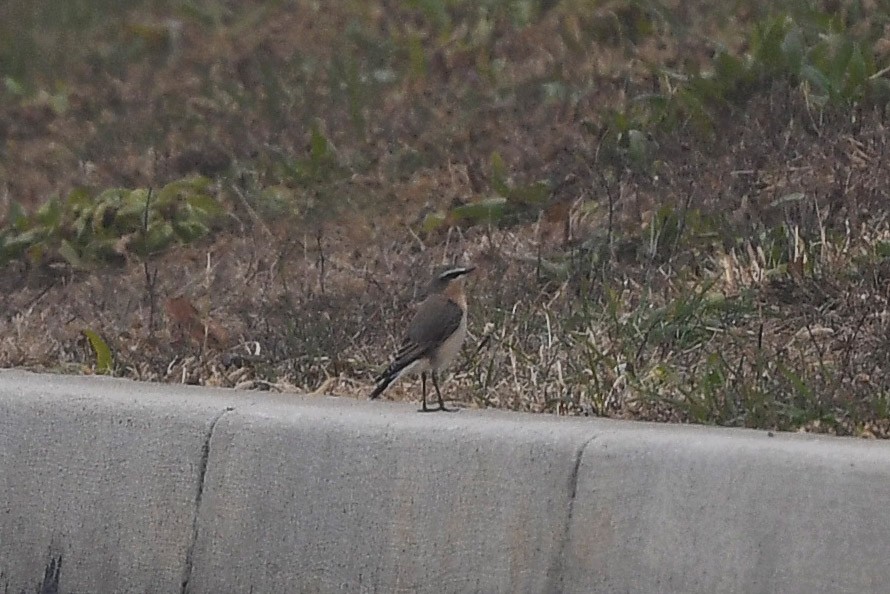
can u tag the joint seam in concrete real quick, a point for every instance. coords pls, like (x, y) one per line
(557, 565)
(202, 472)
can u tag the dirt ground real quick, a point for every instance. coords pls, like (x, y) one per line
(731, 270)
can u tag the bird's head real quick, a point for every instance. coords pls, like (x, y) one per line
(446, 277)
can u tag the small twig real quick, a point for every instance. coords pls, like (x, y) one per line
(32, 302)
(879, 73)
(321, 261)
(848, 351)
(151, 277)
(416, 238)
(817, 346)
(681, 222)
(250, 210)
(639, 354)
(611, 221)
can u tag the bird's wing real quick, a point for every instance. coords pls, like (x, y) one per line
(436, 319)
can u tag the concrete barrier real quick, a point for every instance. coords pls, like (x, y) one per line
(347, 496)
(98, 483)
(696, 509)
(114, 486)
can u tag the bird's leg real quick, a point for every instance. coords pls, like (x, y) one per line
(439, 395)
(423, 387)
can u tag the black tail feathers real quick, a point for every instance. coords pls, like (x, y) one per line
(385, 379)
(403, 360)
(382, 384)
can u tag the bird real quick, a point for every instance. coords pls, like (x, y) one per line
(434, 336)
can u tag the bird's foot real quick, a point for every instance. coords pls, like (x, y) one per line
(441, 408)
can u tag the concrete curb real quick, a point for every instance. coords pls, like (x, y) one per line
(98, 483)
(115, 486)
(685, 509)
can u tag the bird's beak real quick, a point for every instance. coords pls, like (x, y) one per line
(469, 269)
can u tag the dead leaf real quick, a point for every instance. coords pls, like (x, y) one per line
(184, 314)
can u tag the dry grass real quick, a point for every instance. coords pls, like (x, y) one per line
(739, 279)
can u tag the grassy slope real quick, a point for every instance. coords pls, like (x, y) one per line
(706, 254)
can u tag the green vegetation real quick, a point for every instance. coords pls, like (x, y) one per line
(84, 229)
(104, 359)
(678, 209)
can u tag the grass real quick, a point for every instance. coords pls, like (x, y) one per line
(677, 211)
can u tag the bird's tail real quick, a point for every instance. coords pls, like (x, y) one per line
(387, 377)
(381, 386)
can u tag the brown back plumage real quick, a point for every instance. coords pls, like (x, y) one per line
(436, 319)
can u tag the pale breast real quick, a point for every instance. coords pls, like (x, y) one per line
(451, 347)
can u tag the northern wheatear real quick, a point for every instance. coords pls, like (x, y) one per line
(434, 335)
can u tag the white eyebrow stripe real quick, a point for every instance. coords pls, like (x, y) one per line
(453, 271)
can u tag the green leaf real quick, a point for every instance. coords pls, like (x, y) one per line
(484, 211)
(531, 195)
(159, 237)
(130, 217)
(432, 221)
(13, 86)
(79, 198)
(499, 174)
(416, 56)
(882, 250)
(180, 188)
(82, 227)
(133, 205)
(58, 103)
(103, 217)
(16, 217)
(856, 74)
(49, 214)
(104, 360)
(18, 243)
(639, 146)
(70, 255)
(190, 230)
(318, 144)
(277, 201)
(843, 54)
(100, 249)
(112, 196)
(728, 69)
(767, 42)
(434, 10)
(34, 253)
(792, 49)
(815, 77)
(795, 380)
(205, 204)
